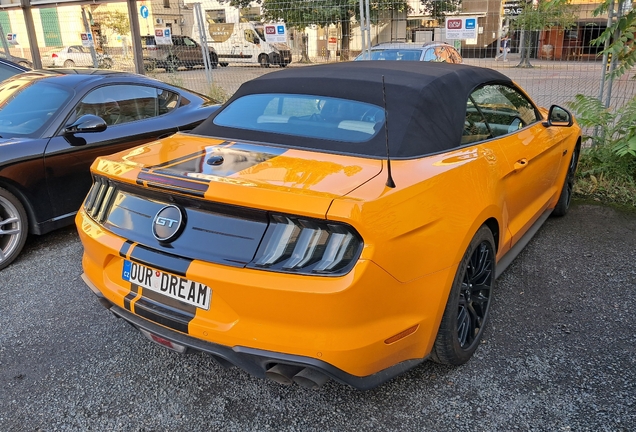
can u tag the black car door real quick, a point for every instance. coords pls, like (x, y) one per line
(134, 115)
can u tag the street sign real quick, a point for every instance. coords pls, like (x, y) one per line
(143, 11)
(461, 28)
(512, 8)
(275, 33)
(87, 39)
(163, 36)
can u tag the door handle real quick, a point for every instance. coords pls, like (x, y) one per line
(521, 164)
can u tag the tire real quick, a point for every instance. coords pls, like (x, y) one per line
(264, 61)
(563, 205)
(149, 66)
(69, 64)
(214, 61)
(224, 64)
(468, 304)
(14, 227)
(283, 65)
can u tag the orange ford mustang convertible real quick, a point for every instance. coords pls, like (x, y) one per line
(342, 221)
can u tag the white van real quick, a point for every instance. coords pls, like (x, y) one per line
(243, 43)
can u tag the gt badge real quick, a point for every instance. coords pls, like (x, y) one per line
(168, 224)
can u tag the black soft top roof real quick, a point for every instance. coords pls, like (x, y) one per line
(426, 103)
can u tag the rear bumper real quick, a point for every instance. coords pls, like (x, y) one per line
(255, 361)
(361, 329)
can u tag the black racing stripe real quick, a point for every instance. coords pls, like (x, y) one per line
(125, 248)
(134, 289)
(162, 180)
(161, 261)
(162, 314)
(179, 160)
(175, 189)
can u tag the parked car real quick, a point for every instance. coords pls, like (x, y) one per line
(79, 56)
(19, 60)
(9, 69)
(53, 125)
(429, 51)
(298, 235)
(184, 52)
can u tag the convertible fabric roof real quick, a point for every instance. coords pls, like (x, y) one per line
(425, 101)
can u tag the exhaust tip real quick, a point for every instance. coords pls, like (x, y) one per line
(282, 373)
(310, 378)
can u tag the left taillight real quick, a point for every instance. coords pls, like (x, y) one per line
(99, 198)
(308, 246)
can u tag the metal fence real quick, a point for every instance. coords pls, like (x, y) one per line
(564, 58)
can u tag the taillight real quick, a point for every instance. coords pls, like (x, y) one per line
(99, 198)
(307, 246)
(54, 55)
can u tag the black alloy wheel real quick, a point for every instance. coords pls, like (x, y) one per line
(13, 228)
(474, 295)
(466, 312)
(563, 205)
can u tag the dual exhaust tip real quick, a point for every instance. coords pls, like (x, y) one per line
(303, 376)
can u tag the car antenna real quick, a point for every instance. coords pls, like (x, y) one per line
(389, 181)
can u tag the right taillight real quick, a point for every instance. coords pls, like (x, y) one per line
(307, 246)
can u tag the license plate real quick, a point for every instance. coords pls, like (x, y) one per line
(185, 290)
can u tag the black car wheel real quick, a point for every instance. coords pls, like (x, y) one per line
(468, 303)
(13, 227)
(214, 61)
(563, 205)
(264, 60)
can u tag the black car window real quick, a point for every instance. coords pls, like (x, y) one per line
(505, 109)
(304, 116)
(119, 104)
(189, 42)
(27, 106)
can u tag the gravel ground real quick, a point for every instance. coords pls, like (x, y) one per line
(559, 354)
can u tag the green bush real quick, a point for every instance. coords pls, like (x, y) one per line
(607, 168)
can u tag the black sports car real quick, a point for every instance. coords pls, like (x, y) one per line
(53, 124)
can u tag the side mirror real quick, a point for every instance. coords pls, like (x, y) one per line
(87, 123)
(558, 116)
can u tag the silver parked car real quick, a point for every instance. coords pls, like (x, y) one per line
(79, 56)
(429, 51)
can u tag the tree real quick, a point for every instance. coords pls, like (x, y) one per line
(115, 20)
(438, 9)
(299, 14)
(538, 15)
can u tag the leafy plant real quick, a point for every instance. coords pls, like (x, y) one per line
(621, 35)
(218, 93)
(615, 130)
(607, 168)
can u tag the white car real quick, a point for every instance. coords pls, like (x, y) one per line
(79, 56)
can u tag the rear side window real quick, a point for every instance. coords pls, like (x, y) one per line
(304, 116)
